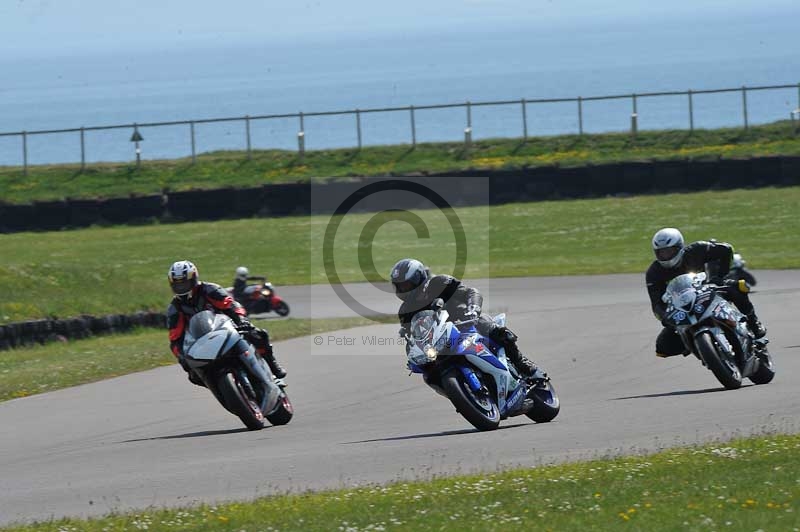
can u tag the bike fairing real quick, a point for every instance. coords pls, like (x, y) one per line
(463, 340)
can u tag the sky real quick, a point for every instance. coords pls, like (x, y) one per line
(48, 27)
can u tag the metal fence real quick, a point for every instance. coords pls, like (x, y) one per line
(523, 127)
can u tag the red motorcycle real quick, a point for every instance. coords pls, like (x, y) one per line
(260, 298)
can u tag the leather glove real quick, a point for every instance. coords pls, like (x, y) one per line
(244, 325)
(402, 332)
(473, 311)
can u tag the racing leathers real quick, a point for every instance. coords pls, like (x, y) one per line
(463, 302)
(210, 296)
(239, 285)
(715, 259)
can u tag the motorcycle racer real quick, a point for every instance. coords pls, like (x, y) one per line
(192, 296)
(417, 289)
(674, 258)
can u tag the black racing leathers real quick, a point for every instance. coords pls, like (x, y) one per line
(712, 257)
(456, 296)
(239, 286)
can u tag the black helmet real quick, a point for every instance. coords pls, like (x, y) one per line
(408, 275)
(183, 278)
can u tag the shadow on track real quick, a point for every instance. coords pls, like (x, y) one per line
(192, 435)
(435, 434)
(679, 392)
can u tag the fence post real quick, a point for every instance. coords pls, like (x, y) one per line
(247, 129)
(634, 117)
(358, 127)
(580, 115)
(744, 106)
(691, 111)
(191, 135)
(524, 120)
(83, 150)
(301, 140)
(24, 153)
(413, 128)
(469, 114)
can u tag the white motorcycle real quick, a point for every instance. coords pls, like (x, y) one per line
(716, 332)
(229, 366)
(473, 372)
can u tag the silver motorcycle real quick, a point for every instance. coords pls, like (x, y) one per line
(716, 332)
(232, 370)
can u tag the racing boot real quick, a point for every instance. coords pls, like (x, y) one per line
(526, 369)
(272, 362)
(759, 331)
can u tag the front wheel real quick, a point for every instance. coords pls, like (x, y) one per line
(238, 402)
(766, 369)
(546, 404)
(482, 412)
(723, 367)
(283, 414)
(282, 309)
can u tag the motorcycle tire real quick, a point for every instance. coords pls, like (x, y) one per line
(283, 414)
(726, 372)
(238, 402)
(483, 414)
(282, 309)
(546, 404)
(766, 369)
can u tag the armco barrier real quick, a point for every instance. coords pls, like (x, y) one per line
(33, 332)
(505, 186)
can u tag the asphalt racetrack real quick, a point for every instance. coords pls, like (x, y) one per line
(153, 439)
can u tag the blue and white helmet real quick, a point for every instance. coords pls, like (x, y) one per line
(407, 276)
(668, 247)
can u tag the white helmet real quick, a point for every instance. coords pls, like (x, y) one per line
(242, 273)
(668, 247)
(738, 261)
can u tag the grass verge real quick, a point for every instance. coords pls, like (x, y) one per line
(32, 370)
(123, 269)
(234, 169)
(743, 485)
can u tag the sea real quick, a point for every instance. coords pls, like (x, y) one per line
(210, 80)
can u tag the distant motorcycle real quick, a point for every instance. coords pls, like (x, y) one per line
(261, 298)
(739, 272)
(716, 332)
(473, 372)
(230, 368)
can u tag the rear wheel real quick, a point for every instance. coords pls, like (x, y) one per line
(282, 309)
(284, 412)
(239, 402)
(546, 404)
(482, 412)
(722, 366)
(766, 369)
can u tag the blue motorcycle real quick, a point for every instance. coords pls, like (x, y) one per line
(472, 371)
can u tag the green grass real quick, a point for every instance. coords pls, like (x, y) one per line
(232, 168)
(31, 370)
(123, 269)
(744, 485)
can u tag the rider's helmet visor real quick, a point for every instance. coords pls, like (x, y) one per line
(665, 254)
